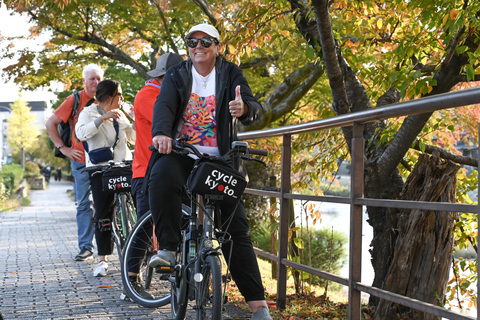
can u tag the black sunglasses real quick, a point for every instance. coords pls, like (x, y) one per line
(206, 42)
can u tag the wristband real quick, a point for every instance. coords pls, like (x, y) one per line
(60, 146)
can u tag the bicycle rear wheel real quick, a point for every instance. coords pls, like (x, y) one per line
(139, 248)
(209, 290)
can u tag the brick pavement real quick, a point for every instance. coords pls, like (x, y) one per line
(40, 279)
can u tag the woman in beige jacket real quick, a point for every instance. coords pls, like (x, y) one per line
(96, 127)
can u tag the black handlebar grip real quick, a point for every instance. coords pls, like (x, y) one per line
(260, 152)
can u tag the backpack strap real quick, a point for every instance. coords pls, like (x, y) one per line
(75, 107)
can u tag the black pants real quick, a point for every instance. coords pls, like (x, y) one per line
(104, 208)
(166, 193)
(140, 243)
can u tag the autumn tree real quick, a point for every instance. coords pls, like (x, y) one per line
(21, 132)
(304, 61)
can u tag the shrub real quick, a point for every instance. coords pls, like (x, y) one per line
(31, 170)
(322, 249)
(16, 170)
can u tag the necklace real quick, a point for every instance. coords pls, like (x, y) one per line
(205, 79)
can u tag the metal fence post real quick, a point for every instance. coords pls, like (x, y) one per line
(356, 222)
(284, 216)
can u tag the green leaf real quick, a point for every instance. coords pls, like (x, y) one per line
(470, 73)
(421, 145)
(298, 242)
(310, 52)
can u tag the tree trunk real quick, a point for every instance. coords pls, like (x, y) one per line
(424, 246)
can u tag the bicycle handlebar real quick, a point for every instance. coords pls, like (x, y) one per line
(240, 148)
(110, 164)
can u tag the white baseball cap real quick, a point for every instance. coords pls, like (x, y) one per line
(204, 27)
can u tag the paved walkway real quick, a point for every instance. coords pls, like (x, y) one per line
(40, 279)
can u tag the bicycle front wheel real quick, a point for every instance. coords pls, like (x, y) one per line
(209, 293)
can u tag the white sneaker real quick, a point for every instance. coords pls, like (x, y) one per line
(101, 269)
(261, 314)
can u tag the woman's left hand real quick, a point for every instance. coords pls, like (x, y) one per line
(237, 106)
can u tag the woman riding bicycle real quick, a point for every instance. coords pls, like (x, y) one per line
(202, 97)
(104, 126)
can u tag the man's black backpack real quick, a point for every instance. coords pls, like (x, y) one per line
(65, 129)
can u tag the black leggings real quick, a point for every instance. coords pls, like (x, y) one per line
(104, 208)
(166, 193)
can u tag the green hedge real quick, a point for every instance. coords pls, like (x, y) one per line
(16, 170)
(8, 180)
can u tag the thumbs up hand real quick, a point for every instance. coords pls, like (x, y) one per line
(237, 107)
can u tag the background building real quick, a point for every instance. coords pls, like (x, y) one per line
(38, 108)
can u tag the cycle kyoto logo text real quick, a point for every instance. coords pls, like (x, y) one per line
(118, 183)
(225, 183)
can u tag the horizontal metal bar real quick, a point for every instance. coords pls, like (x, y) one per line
(266, 254)
(308, 197)
(265, 193)
(410, 302)
(422, 205)
(316, 272)
(416, 106)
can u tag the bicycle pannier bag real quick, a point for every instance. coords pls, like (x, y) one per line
(217, 178)
(117, 179)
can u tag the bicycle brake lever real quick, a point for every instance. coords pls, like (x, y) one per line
(250, 158)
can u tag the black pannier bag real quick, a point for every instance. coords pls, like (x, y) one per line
(117, 179)
(216, 178)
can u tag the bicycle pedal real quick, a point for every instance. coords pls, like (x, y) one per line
(164, 269)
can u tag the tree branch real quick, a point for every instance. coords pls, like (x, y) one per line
(203, 4)
(340, 101)
(287, 94)
(258, 62)
(166, 28)
(444, 154)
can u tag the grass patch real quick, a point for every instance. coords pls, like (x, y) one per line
(308, 306)
(26, 202)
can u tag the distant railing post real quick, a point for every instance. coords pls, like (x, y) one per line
(478, 242)
(356, 222)
(284, 215)
(273, 221)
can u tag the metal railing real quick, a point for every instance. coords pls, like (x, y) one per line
(356, 199)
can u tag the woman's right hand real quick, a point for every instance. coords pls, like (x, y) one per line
(162, 143)
(112, 114)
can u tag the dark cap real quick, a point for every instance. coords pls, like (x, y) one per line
(164, 62)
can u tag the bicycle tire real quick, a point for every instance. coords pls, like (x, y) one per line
(179, 289)
(117, 232)
(210, 293)
(129, 216)
(136, 256)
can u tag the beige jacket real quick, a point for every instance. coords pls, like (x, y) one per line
(100, 134)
